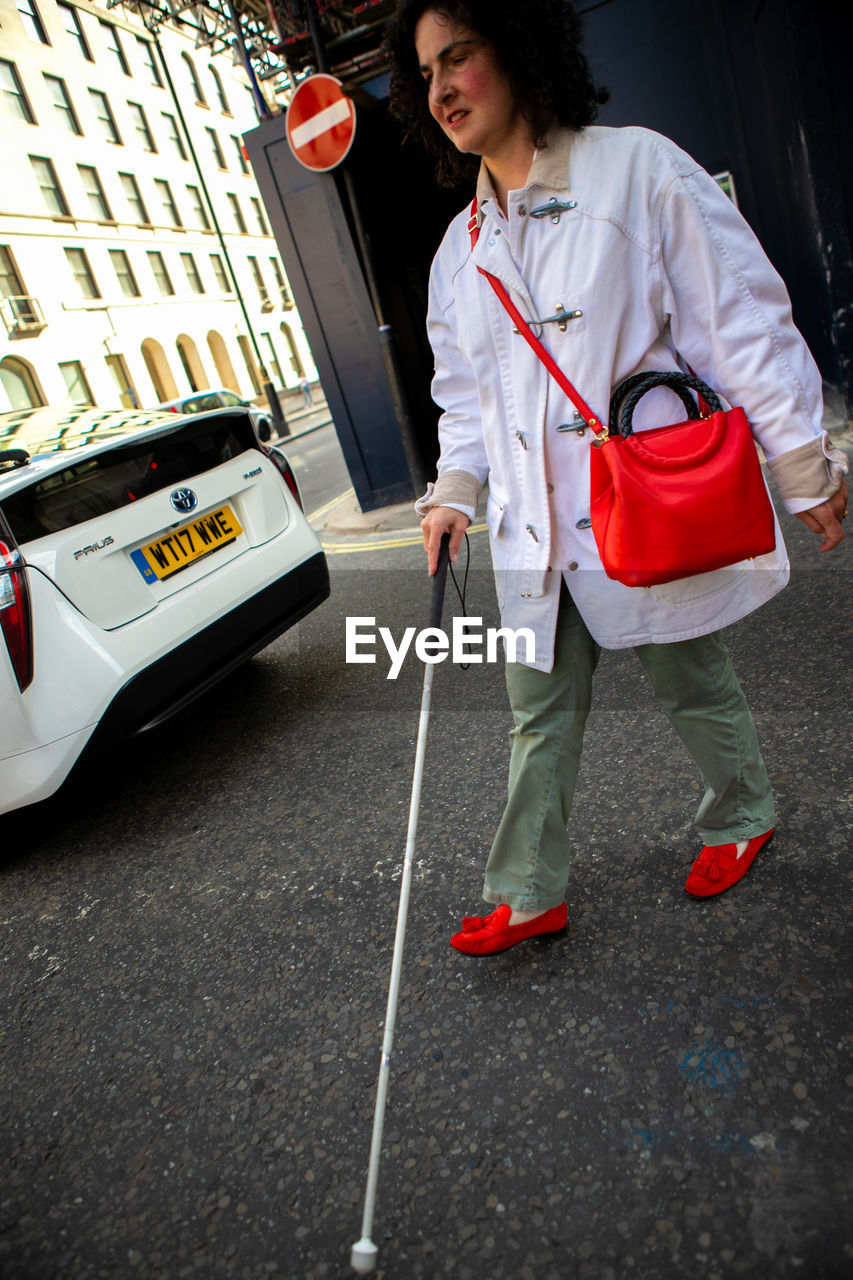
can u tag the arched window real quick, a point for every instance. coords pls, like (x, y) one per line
(295, 360)
(20, 384)
(220, 92)
(191, 360)
(222, 360)
(165, 387)
(195, 83)
(250, 362)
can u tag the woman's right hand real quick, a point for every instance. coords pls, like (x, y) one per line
(436, 523)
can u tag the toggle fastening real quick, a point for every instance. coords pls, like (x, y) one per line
(560, 317)
(553, 209)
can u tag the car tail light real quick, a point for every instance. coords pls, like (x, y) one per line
(283, 467)
(15, 612)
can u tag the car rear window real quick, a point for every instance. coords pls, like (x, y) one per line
(96, 485)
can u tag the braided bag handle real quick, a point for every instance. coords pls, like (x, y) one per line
(629, 393)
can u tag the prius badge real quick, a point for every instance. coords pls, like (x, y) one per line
(183, 500)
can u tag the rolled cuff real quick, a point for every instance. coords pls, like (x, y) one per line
(456, 489)
(809, 474)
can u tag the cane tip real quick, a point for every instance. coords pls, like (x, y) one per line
(363, 1256)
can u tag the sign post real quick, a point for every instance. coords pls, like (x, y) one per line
(320, 123)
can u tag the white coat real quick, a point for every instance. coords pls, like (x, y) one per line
(650, 259)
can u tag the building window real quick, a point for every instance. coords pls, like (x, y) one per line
(295, 359)
(124, 273)
(62, 104)
(82, 273)
(140, 124)
(146, 53)
(198, 208)
(191, 361)
(259, 282)
(259, 215)
(11, 284)
(250, 362)
(95, 193)
(160, 272)
(134, 199)
(167, 200)
(196, 282)
(19, 383)
(72, 25)
(173, 134)
(286, 299)
(220, 92)
(221, 274)
(14, 98)
(117, 366)
(105, 117)
(272, 359)
(31, 19)
(194, 82)
(237, 212)
(79, 391)
(113, 43)
(215, 149)
(49, 184)
(241, 155)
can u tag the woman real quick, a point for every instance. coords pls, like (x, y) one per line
(636, 260)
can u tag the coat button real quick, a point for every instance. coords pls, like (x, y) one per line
(573, 565)
(585, 523)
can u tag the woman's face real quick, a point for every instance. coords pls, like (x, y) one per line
(469, 93)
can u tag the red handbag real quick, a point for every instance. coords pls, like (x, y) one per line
(669, 502)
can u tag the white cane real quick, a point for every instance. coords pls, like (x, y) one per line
(363, 1256)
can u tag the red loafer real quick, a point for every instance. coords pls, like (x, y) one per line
(718, 867)
(485, 935)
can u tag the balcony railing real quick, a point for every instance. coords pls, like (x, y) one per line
(22, 317)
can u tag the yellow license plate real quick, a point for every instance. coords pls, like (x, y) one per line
(184, 546)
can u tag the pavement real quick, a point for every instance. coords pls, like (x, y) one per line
(197, 937)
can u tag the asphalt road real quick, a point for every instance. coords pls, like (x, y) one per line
(319, 467)
(198, 933)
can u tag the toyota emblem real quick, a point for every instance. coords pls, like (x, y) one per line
(183, 500)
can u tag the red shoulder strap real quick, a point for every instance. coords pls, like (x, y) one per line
(530, 337)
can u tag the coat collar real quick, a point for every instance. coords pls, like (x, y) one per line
(550, 168)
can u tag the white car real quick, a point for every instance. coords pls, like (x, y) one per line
(143, 557)
(221, 398)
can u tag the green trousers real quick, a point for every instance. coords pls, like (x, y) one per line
(695, 684)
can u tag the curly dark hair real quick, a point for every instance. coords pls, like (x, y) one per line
(538, 44)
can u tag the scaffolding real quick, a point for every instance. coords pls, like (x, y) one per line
(277, 40)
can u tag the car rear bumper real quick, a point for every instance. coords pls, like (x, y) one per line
(34, 775)
(170, 682)
(182, 674)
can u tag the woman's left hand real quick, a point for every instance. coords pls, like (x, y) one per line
(825, 519)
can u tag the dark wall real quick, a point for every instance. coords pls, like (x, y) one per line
(760, 88)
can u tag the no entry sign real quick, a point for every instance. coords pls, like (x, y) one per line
(320, 123)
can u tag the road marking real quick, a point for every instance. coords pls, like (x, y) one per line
(323, 511)
(385, 544)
